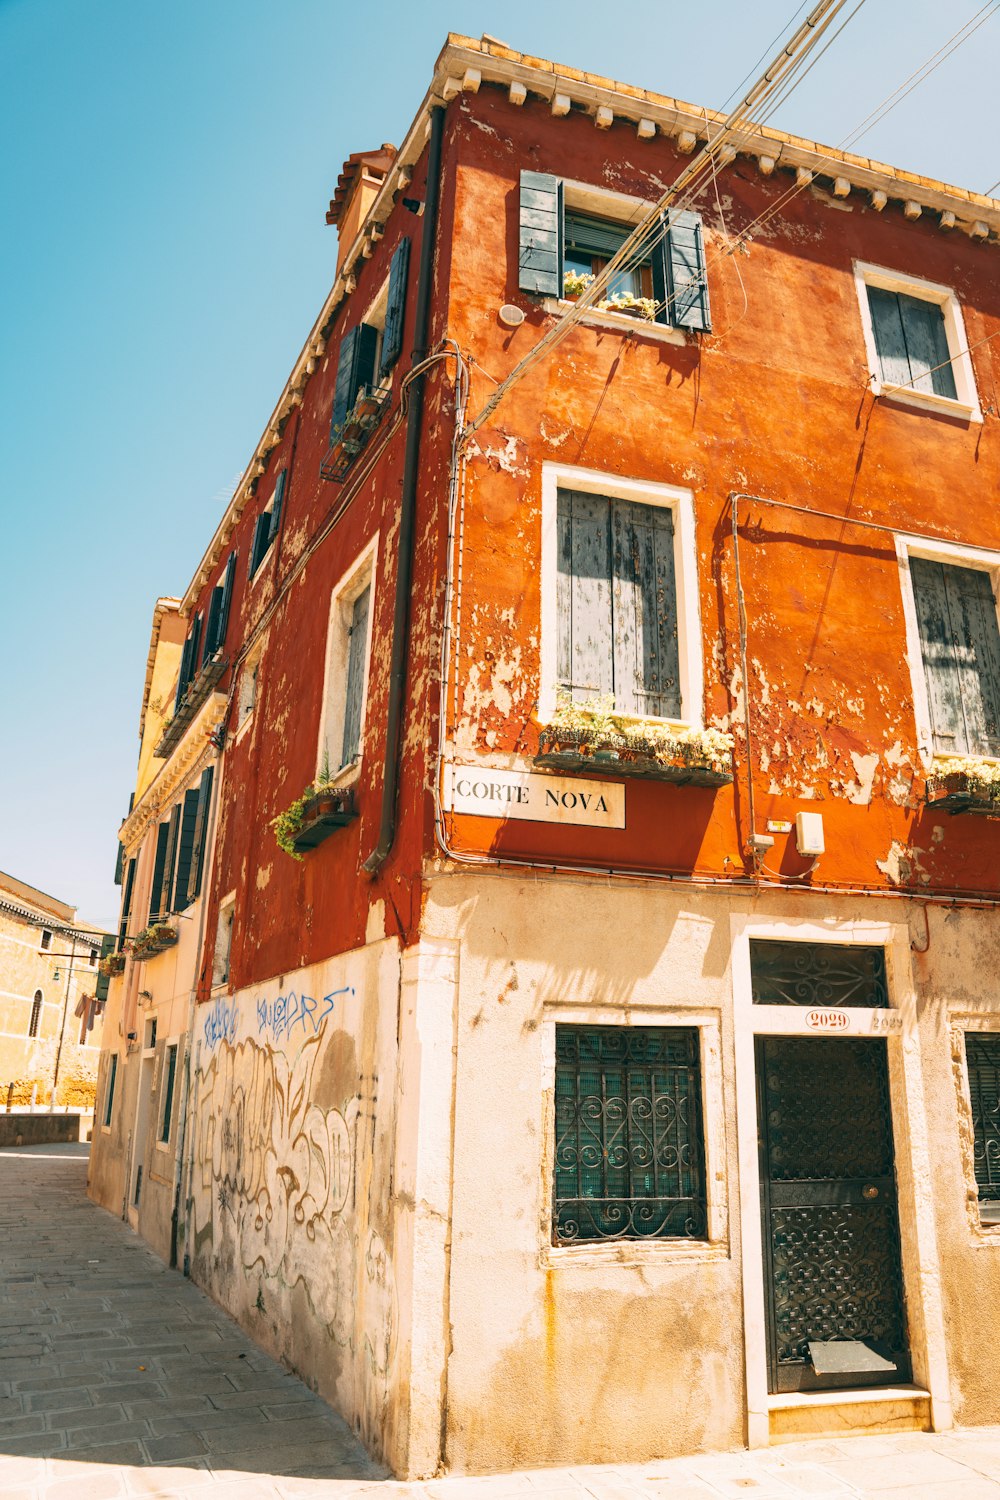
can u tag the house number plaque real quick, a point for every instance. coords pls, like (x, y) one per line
(828, 1020)
(532, 795)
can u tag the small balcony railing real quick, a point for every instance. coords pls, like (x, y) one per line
(349, 441)
(195, 694)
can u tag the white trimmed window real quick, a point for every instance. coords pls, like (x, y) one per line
(348, 651)
(249, 679)
(619, 596)
(267, 525)
(953, 640)
(915, 336)
(223, 940)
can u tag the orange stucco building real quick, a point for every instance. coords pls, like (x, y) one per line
(603, 1062)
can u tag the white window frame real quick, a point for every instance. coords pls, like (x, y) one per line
(227, 912)
(689, 648)
(249, 676)
(359, 576)
(955, 555)
(966, 401)
(604, 203)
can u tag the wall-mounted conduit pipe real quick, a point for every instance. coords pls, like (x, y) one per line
(408, 505)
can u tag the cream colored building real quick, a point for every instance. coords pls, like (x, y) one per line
(51, 1000)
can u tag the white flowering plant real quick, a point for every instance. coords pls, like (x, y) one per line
(625, 302)
(594, 728)
(576, 282)
(965, 776)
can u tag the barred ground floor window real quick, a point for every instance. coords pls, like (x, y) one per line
(629, 1147)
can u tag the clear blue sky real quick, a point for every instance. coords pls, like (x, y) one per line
(164, 175)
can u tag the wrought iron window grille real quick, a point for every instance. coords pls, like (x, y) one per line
(196, 694)
(629, 1159)
(982, 1056)
(370, 406)
(825, 975)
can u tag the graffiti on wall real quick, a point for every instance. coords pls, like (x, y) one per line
(285, 1141)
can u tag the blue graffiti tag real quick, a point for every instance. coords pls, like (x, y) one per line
(220, 1023)
(280, 1016)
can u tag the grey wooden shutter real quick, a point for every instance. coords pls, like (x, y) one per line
(927, 346)
(644, 611)
(276, 504)
(185, 846)
(584, 658)
(200, 836)
(355, 368)
(960, 647)
(686, 277)
(540, 234)
(355, 678)
(392, 338)
(156, 890)
(890, 341)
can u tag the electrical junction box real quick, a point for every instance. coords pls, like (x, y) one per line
(809, 834)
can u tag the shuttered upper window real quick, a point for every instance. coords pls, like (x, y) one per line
(267, 525)
(560, 242)
(960, 651)
(917, 348)
(617, 604)
(348, 643)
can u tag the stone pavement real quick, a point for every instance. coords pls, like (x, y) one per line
(120, 1378)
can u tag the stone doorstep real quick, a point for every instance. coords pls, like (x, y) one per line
(794, 1415)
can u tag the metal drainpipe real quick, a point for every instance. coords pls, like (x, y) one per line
(404, 561)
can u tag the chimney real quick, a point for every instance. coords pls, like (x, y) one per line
(361, 176)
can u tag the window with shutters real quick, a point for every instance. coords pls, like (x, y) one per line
(915, 338)
(267, 526)
(568, 232)
(345, 688)
(954, 650)
(366, 356)
(249, 686)
(109, 1098)
(982, 1060)
(619, 596)
(46, 939)
(35, 1018)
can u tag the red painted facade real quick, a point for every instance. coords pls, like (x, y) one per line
(775, 402)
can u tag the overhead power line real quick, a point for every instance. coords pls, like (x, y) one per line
(783, 66)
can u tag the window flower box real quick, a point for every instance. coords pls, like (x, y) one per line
(586, 741)
(370, 406)
(111, 965)
(153, 940)
(965, 786)
(320, 811)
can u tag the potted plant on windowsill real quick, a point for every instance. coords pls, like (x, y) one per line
(575, 283)
(322, 808)
(112, 965)
(643, 308)
(965, 785)
(584, 738)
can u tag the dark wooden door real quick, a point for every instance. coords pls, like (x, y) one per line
(828, 1199)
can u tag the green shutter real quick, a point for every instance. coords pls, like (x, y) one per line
(687, 281)
(355, 368)
(126, 902)
(227, 598)
(276, 504)
(109, 1103)
(182, 672)
(392, 338)
(212, 627)
(540, 234)
(259, 544)
(185, 847)
(107, 946)
(170, 1068)
(960, 648)
(156, 890)
(165, 903)
(200, 835)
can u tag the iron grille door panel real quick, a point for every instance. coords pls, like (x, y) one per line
(828, 1203)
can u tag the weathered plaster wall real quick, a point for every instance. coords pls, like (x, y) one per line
(613, 1353)
(957, 988)
(294, 1222)
(775, 401)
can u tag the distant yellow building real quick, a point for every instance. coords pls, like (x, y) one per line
(51, 1000)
